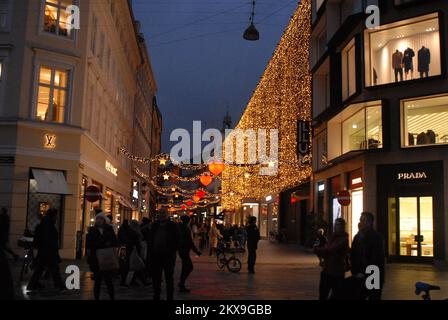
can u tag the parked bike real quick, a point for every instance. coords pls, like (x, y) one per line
(232, 263)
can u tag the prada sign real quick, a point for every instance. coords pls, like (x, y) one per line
(420, 175)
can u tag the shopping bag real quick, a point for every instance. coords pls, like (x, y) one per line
(135, 262)
(107, 259)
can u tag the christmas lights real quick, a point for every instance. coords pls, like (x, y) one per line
(282, 97)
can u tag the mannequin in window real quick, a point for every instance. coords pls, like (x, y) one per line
(397, 64)
(408, 61)
(424, 60)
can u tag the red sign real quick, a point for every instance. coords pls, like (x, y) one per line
(93, 194)
(344, 198)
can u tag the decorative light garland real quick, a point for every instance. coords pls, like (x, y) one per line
(282, 97)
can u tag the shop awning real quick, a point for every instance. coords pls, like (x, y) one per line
(124, 202)
(52, 182)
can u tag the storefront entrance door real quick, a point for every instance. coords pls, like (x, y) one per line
(412, 217)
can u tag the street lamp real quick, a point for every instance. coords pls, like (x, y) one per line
(251, 33)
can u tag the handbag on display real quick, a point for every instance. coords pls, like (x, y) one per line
(107, 259)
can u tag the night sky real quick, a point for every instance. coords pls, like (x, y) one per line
(201, 63)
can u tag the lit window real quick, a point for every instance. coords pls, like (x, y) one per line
(56, 19)
(349, 70)
(425, 121)
(401, 51)
(358, 127)
(52, 95)
(320, 150)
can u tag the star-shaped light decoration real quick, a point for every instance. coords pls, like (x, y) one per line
(166, 176)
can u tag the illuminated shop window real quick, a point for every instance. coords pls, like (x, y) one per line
(403, 51)
(358, 127)
(56, 19)
(425, 121)
(320, 150)
(349, 70)
(52, 94)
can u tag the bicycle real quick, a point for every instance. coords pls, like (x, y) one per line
(426, 288)
(232, 263)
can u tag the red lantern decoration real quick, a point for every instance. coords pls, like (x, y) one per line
(200, 194)
(206, 179)
(216, 168)
(189, 203)
(196, 199)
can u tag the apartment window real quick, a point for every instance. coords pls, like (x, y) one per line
(52, 94)
(403, 51)
(94, 33)
(424, 121)
(320, 150)
(56, 19)
(349, 70)
(358, 127)
(321, 88)
(4, 14)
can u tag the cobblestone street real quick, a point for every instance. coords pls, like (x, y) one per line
(284, 272)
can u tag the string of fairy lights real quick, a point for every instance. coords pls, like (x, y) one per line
(282, 97)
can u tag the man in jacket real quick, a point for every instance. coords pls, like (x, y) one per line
(368, 249)
(46, 240)
(253, 236)
(186, 245)
(164, 240)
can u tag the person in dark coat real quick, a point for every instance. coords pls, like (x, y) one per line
(368, 249)
(253, 236)
(334, 255)
(46, 240)
(186, 245)
(128, 238)
(164, 242)
(100, 236)
(6, 280)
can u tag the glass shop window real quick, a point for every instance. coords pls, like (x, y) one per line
(402, 51)
(425, 121)
(358, 127)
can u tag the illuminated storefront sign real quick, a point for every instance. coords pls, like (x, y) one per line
(111, 168)
(49, 141)
(412, 175)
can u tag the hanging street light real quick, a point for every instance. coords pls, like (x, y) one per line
(251, 33)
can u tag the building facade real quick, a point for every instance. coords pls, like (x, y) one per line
(67, 104)
(380, 108)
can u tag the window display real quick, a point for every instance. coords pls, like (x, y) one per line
(403, 50)
(358, 127)
(424, 121)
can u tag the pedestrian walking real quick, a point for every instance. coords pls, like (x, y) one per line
(101, 255)
(368, 249)
(163, 246)
(131, 240)
(46, 240)
(6, 279)
(321, 241)
(214, 235)
(186, 245)
(334, 255)
(253, 237)
(202, 236)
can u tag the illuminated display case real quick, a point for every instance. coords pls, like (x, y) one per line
(402, 51)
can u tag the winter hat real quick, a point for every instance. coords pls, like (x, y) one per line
(103, 216)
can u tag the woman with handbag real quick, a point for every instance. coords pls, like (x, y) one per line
(102, 258)
(334, 255)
